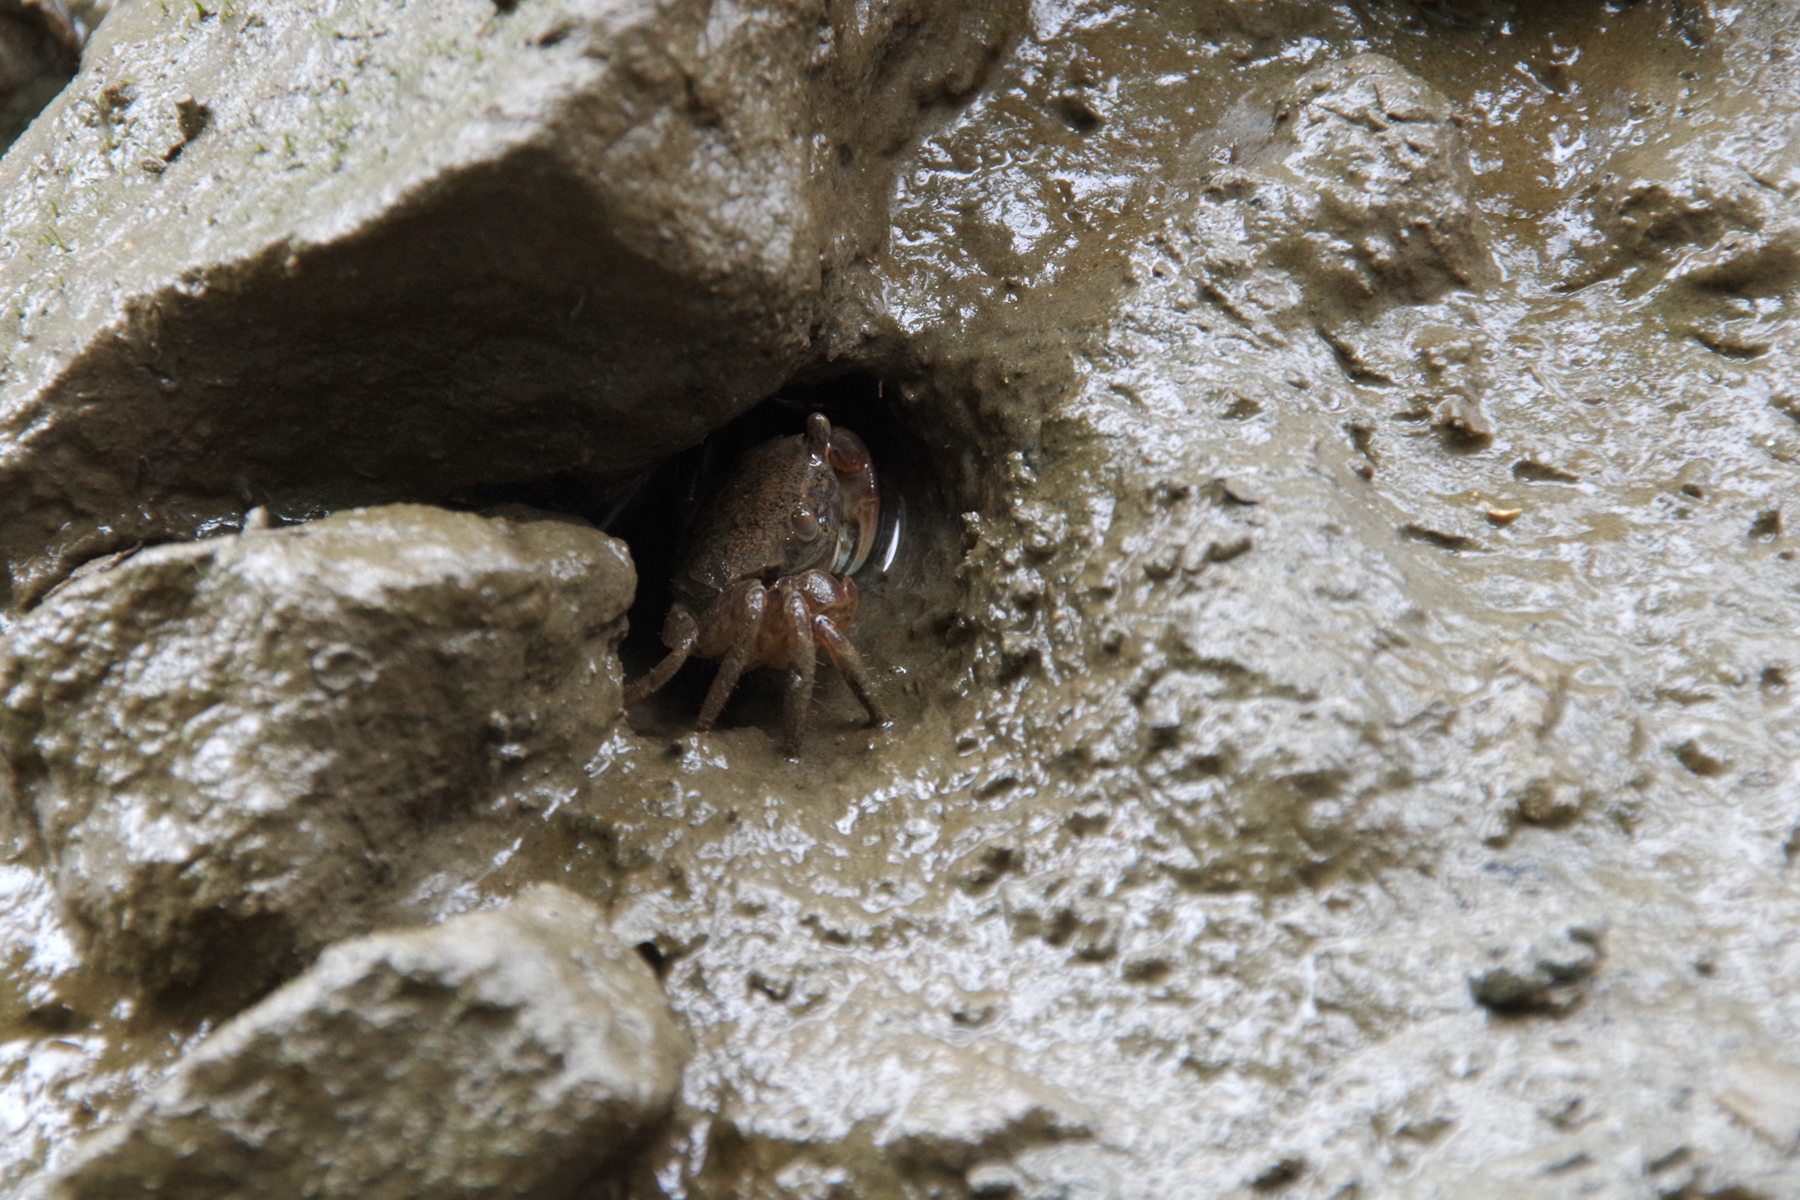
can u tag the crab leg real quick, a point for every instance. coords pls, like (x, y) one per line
(746, 625)
(764, 579)
(679, 635)
(850, 664)
(802, 664)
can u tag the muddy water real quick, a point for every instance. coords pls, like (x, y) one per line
(1273, 658)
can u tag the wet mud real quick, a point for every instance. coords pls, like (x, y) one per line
(1337, 604)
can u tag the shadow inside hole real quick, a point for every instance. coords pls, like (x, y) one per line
(656, 515)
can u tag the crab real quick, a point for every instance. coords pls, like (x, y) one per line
(765, 578)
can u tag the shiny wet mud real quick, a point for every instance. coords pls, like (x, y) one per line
(1325, 613)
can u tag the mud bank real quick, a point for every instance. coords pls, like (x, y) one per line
(1339, 633)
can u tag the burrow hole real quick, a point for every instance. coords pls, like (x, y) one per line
(904, 585)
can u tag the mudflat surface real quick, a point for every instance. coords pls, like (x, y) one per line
(1341, 643)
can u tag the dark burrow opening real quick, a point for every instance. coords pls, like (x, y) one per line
(903, 584)
(908, 591)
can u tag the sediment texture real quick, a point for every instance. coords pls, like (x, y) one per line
(502, 1053)
(1340, 636)
(305, 257)
(242, 739)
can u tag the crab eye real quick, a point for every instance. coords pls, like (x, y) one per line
(805, 524)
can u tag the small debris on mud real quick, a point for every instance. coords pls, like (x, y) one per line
(1462, 425)
(1767, 525)
(1225, 494)
(1438, 538)
(1287, 1171)
(1694, 757)
(1548, 976)
(1532, 471)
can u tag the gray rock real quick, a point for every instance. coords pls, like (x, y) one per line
(248, 733)
(1547, 975)
(269, 255)
(502, 1053)
(40, 47)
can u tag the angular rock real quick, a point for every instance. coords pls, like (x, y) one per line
(502, 1053)
(244, 735)
(272, 255)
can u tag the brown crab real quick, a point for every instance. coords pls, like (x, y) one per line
(767, 570)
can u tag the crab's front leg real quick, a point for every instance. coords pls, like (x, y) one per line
(733, 626)
(679, 635)
(831, 605)
(803, 661)
(859, 493)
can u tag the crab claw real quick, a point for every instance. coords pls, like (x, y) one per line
(861, 496)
